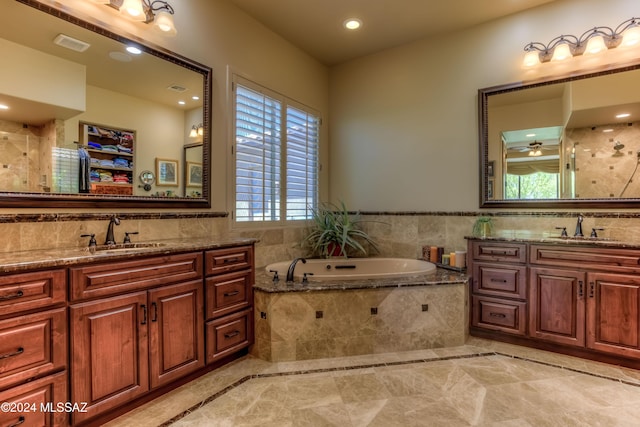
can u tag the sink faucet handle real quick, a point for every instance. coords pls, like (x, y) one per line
(275, 275)
(127, 238)
(594, 233)
(305, 279)
(564, 231)
(92, 239)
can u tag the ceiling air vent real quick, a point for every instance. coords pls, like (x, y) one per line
(177, 88)
(71, 43)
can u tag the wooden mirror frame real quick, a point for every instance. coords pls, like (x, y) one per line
(46, 200)
(485, 201)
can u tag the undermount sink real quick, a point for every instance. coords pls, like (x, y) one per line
(122, 247)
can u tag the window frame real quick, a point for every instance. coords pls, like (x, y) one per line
(285, 103)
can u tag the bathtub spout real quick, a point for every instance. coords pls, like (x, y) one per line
(292, 268)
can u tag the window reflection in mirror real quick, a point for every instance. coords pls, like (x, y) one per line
(577, 139)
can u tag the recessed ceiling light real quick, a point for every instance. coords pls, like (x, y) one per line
(352, 23)
(181, 102)
(134, 50)
(622, 116)
(120, 56)
(4, 107)
(530, 135)
(195, 97)
(607, 130)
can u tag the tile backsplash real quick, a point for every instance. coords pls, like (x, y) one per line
(397, 234)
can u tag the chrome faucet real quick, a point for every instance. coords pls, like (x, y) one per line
(292, 268)
(110, 240)
(578, 232)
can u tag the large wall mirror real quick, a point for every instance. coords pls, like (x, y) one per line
(568, 142)
(83, 118)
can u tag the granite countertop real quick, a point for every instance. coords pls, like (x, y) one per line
(264, 282)
(49, 258)
(555, 239)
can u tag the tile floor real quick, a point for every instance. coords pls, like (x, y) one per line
(483, 383)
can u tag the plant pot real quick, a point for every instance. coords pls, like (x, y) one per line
(334, 250)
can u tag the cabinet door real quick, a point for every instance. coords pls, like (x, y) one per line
(613, 313)
(109, 352)
(176, 331)
(557, 307)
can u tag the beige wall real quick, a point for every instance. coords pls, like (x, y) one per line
(404, 132)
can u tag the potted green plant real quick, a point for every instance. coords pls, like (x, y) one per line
(483, 226)
(334, 232)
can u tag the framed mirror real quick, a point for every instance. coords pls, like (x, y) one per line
(76, 98)
(568, 142)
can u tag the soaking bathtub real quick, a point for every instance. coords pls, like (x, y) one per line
(353, 268)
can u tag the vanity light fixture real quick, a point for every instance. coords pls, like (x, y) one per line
(196, 131)
(591, 42)
(156, 12)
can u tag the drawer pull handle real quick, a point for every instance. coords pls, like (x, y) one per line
(229, 260)
(20, 350)
(12, 296)
(498, 280)
(500, 315)
(231, 294)
(580, 290)
(231, 334)
(144, 314)
(20, 421)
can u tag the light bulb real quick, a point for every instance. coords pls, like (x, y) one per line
(561, 52)
(163, 21)
(595, 45)
(631, 37)
(531, 58)
(133, 9)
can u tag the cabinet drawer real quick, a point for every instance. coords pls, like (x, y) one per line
(229, 334)
(226, 260)
(610, 260)
(228, 293)
(40, 398)
(28, 291)
(499, 251)
(32, 345)
(106, 279)
(497, 314)
(500, 280)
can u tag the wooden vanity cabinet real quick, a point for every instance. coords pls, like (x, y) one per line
(33, 346)
(124, 345)
(583, 300)
(229, 301)
(499, 287)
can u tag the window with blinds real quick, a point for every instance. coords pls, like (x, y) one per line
(276, 156)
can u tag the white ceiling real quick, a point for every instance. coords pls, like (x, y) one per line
(315, 26)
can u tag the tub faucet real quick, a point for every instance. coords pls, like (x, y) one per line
(292, 268)
(578, 232)
(110, 240)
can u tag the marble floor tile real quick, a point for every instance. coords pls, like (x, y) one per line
(482, 383)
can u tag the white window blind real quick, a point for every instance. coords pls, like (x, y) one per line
(275, 178)
(302, 163)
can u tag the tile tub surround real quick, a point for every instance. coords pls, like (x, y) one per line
(355, 317)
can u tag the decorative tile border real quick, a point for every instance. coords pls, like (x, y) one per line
(58, 217)
(380, 365)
